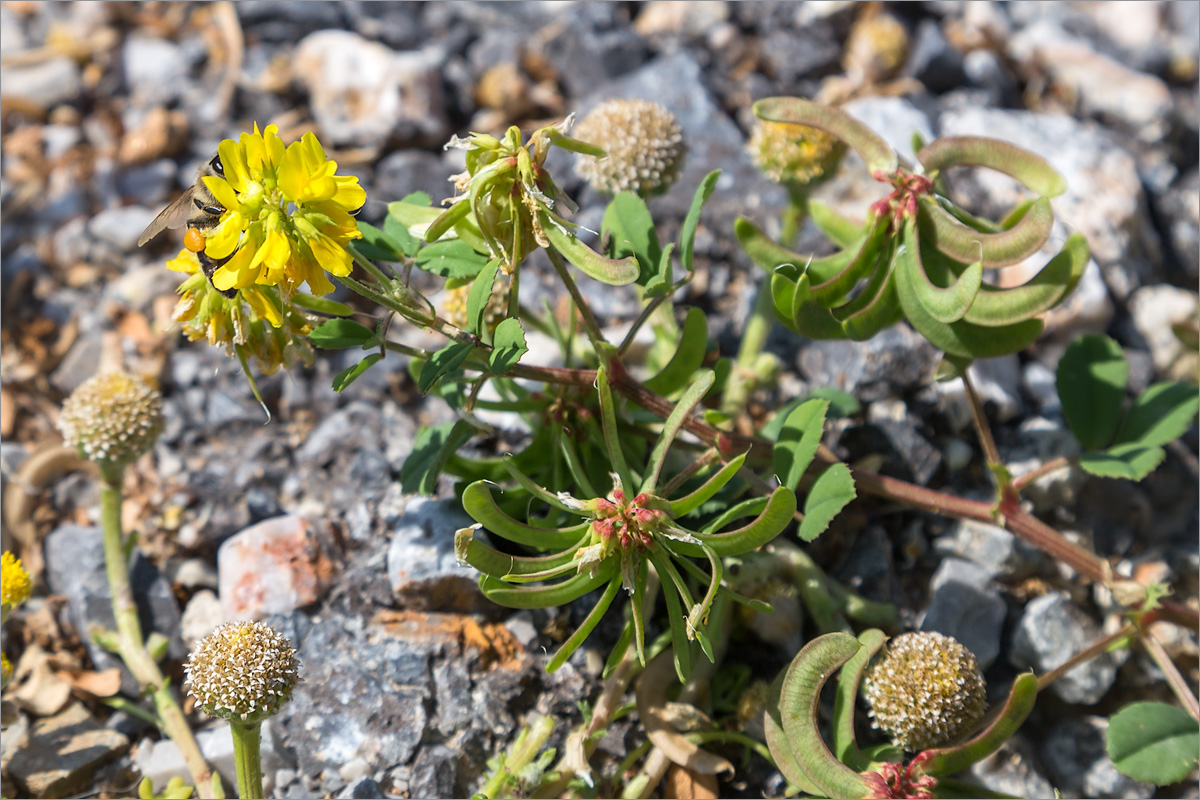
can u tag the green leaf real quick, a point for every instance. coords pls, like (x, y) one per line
(1131, 462)
(661, 282)
(620, 272)
(434, 444)
(479, 295)
(399, 234)
(441, 362)
(585, 629)
(351, 374)
(556, 594)
(628, 222)
(477, 501)
(798, 441)
(452, 258)
(1091, 381)
(508, 345)
(687, 233)
(1153, 742)
(961, 151)
(874, 149)
(841, 404)
(377, 244)
(840, 229)
(338, 334)
(693, 344)
(671, 427)
(1161, 414)
(776, 515)
(830, 493)
(690, 502)
(322, 305)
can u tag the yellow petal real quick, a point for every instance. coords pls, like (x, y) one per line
(223, 191)
(233, 161)
(223, 239)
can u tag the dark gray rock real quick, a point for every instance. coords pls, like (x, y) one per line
(1052, 630)
(149, 184)
(965, 604)
(278, 21)
(435, 773)
(990, 548)
(120, 227)
(887, 365)
(932, 60)
(75, 568)
(1013, 770)
(407, 171)
(421, 564)
(362, 789)
(1180, 209)
(899, 437)
(1076, 760)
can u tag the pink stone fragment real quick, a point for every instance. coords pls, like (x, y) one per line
(273, 567)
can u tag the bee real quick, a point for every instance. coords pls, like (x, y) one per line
(200, 211)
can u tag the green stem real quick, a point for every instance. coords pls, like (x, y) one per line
(589, 319)
(247, 737)
(742, 378)
(130, 643)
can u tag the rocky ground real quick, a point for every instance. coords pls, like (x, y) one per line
(412, 681)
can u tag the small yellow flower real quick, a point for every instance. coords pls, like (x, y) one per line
(796, 154)
(257, 320)
(14, 581)
(287, 217)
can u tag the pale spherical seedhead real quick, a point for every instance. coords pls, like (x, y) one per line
(797, 154)
(112, 419)
(925, 691)
(242, 671)
(644, 143)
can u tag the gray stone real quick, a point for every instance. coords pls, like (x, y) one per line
(1103, 200)
(1154, 310)
(63, 752)
(893, 118)
(895, 360)
(452, 687)
(932, 60)
(1012, 770)
(150, 183)
(362, 789)
(984, 69)
(1041, 440)
(364, 93)
(120, 227)
(46, 83)
(1076, 759)
(155, 70)
(435, 773)
(1053, 629)
(200, 617)
(78, 365)
(1040, 385)
(1180, 208)
(897, 435)
(421, 565)
(75, 568)
(988, 547)
(965, 604)
(160, 761)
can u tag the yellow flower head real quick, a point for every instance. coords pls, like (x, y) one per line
(795, 154)
(256, 321)
(14, 581)
(287, 217)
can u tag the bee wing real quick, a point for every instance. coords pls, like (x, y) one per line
(173, 216)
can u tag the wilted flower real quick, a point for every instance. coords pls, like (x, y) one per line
(287, 216)
(794, 154)
(925, 691)
(256, 319)
(454, 305)
(644, 143)
(112, 419)
(242, 671)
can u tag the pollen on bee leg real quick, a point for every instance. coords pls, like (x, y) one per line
(193, 240)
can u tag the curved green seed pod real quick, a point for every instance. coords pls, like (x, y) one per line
(537, 491)
(799, 695)
(977, 151)
(608, 424)
(671, 427)
(1040, 293)
(620, 272)
(680, 642)
(995, 250)
(775, 516)
(585, 629)
(690, 502)
(949, 760)
(796, 111)
(947, 304)
(845, 745)
(769, 254)
(557, 594)
(477, 501)
(960, 338)
(747, 508)
(829, 291)
(507, 567)
(447, 220)
(876, 306)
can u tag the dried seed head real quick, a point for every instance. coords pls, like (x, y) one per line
(876, 48)
(644, 144)
(788, 153)
(14, 581)
(925, 691)
(112, 419)
(242, 670)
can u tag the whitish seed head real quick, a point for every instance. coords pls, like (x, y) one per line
(112, 419)
(788, 153)
(925, 691)
(14, 581)
(242, 670)
(644, 144)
